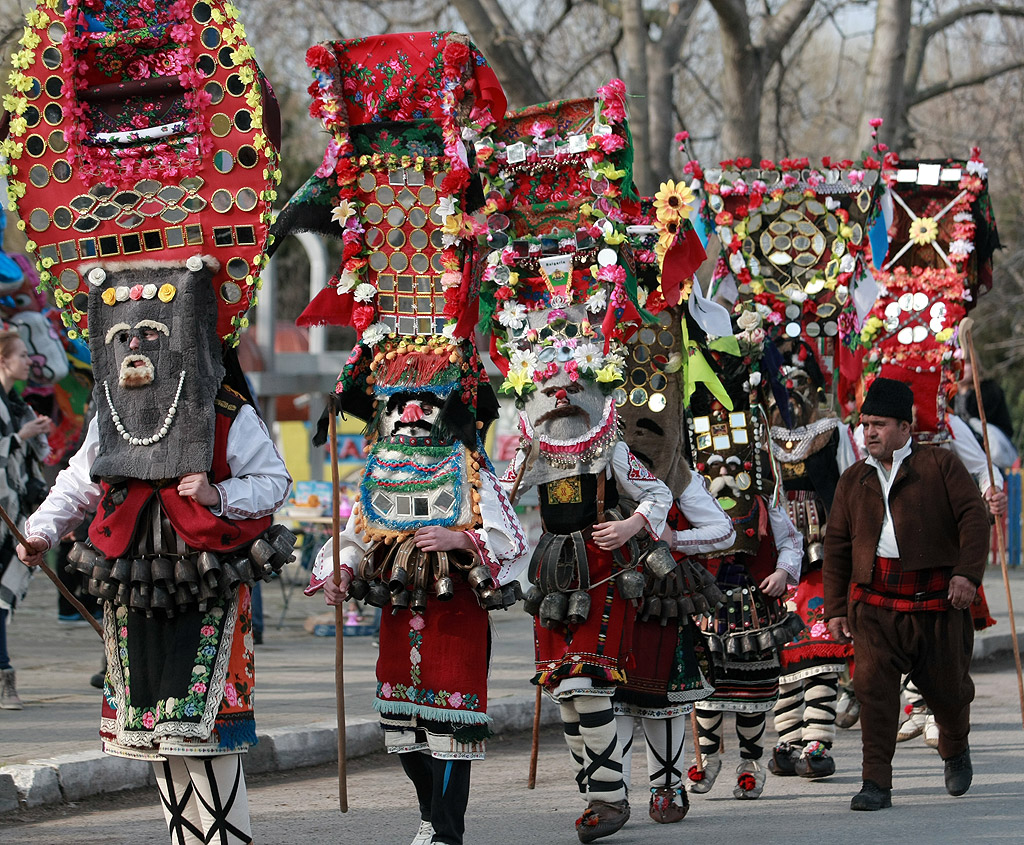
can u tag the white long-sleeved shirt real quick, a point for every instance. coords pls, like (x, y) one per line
(258, 485)
(634, 480)
(710, 528)
(500, 541)
(789, 544)
(887, 546)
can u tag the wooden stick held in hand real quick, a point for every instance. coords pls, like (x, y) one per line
(535, 744)
(64, 591)
(339, 610)
(966, 330)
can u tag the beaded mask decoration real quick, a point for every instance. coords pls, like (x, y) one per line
(939, 261)
(142, 132)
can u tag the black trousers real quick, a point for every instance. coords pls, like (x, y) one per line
(934, 648)
(442, 790)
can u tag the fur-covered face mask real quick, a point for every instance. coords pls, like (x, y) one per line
(157, 362)
(410, 415)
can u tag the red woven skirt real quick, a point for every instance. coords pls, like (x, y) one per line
(600, 648)
(813, 651)
(433, 664)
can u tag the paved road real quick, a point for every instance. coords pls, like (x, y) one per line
(301, 806)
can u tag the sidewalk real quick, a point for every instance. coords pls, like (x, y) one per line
(50, 750)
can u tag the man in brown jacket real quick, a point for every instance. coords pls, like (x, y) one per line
(905, 551)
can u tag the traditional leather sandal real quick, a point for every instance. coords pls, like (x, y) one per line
(602, 818)
(664, 809)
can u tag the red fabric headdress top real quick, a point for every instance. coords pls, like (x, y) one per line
(142, 132)
(395, 185)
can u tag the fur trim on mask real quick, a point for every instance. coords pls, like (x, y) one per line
(209, 262)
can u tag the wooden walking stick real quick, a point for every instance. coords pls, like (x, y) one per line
(696, 741)
(535, 745)
(967, 330)
(64, 591)
(339, 610)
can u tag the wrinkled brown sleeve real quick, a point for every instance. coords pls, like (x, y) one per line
(971, 515)
(838, 562)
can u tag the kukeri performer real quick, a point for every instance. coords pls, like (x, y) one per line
(182, 530)
(671, 669)
(153, 249)
(432, 540)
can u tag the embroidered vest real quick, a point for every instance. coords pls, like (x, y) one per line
(570, 504)
(123, 502)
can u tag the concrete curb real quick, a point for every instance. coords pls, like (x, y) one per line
(989, 645)
(72, 777)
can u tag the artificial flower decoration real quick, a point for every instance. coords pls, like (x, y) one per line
(923, 230)
(342, 211)
(674, 201)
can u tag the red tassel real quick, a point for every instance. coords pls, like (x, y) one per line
(328, 308)
(681, 262)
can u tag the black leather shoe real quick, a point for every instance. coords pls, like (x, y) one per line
(959, 773)
(784, 757)
(871, 797)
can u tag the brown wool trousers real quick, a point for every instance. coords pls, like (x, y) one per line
(934, 648)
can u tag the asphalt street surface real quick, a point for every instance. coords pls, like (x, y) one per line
(302, 806)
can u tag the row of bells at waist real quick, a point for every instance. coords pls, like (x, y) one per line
(408, 585)
(173, 583)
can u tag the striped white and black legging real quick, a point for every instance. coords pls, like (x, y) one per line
(806, 710)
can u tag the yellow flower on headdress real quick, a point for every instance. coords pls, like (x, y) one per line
(608, 373)
(166, 292)
(517, 380)
(674, 201)
(923, 230)
(109, 297)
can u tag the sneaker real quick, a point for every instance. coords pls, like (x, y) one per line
(847, 710)
(931, 732)
(871, 797)
(668, 804)
(784, 757)
(959, 773)
(914, 724)
(750, 779)
(8, 691)
(602, 818)
(815, 762)
(424, 835)
(702, 781)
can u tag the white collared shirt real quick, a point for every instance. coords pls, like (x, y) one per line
(887, 546)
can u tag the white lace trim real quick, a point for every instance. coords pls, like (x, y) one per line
(803, 437)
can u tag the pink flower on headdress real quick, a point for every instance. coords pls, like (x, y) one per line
(136, 292)
(614, 96)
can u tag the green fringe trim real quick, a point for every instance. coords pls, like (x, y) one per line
(437, 714)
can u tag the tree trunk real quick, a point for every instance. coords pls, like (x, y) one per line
(742, 90)
(884, 92)
(661, 83)
(634, 42)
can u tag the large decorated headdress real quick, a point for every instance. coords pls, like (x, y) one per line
(563, 295)
(794, 241)
(141, 133)
(943, 234)
(398, 188)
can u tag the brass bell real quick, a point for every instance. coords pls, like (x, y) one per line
(141, 577)
(124, 593)
(659, 560)
(162, 571)
(358, 588)
(479, 576)
(815, 553)
(230, 579)
(208, 565)
(400, 599)
(107, 590)
(419, 600)
(630, 584)
(444, 588)
(579, 607)
(379, 595)
(399, 577)
(553, 608)
(185, 575)
(162, 600)
(532, 600)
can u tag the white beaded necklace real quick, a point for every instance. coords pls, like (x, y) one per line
(156, 438)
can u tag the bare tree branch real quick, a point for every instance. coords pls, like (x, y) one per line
(947, 85)
(964, 11)
(781, 27)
